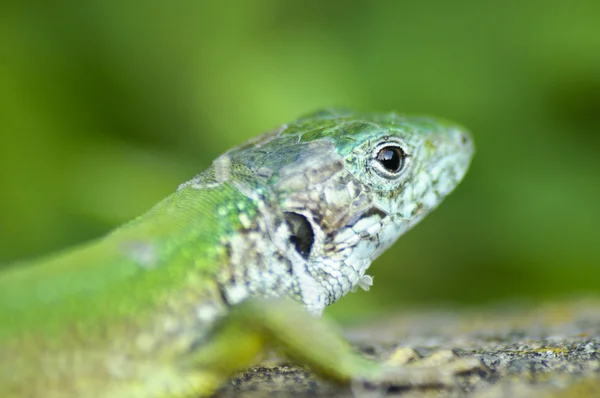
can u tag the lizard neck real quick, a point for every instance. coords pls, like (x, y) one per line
(282, 241)
(263, 258)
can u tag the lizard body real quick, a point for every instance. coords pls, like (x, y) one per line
(174, 302)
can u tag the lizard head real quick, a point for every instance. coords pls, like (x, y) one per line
(358, 182)
(341, 188)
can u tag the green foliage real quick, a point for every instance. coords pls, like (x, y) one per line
(105, 107)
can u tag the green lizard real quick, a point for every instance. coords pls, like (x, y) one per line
(175, 301)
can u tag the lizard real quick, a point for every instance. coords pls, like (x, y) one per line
(240, 259)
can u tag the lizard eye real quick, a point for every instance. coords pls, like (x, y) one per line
(391, 158)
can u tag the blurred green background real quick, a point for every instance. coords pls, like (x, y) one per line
(105, 107)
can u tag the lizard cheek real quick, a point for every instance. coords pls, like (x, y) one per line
(302, 235)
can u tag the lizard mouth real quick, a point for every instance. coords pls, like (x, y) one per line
(302, 235)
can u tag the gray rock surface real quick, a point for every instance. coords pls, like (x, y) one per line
(523, 350)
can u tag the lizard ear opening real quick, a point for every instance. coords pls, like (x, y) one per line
(302, 235)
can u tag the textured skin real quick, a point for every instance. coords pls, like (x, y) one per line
(171, 303)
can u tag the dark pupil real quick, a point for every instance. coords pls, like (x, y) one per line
(391, 158)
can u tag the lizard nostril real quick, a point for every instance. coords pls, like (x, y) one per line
(464, 139)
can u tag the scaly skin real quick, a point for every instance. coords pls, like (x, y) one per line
(172, 303)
